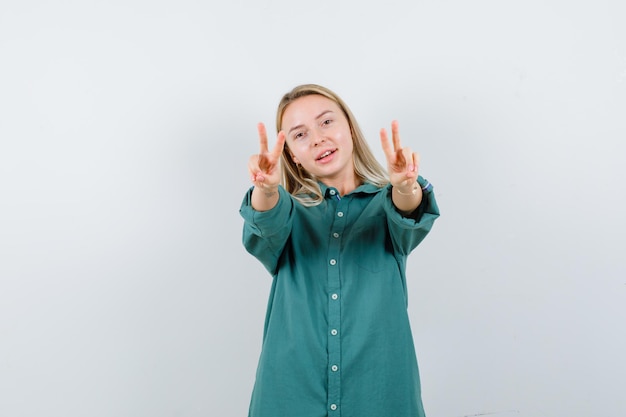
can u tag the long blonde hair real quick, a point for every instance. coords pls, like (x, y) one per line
(301, 184)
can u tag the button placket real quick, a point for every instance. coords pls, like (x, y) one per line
(334, 306)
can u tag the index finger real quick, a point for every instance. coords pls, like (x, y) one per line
(384, 140)
(262, 137)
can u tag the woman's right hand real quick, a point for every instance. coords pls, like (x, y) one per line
(264, 167)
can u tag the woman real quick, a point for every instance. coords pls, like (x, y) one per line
(334, 231)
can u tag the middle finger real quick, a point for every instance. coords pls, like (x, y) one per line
(395, 135)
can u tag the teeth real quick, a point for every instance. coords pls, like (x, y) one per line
(325, 154)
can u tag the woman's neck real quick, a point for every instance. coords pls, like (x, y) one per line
(343, 185)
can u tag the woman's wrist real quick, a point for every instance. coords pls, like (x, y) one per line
(269, 190)
(264, 197)
(408, 191)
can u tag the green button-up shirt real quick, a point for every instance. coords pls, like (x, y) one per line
(337, 340)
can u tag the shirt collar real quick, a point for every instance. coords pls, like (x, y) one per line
(366, 188)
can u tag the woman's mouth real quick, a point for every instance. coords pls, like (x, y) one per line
(326, 155)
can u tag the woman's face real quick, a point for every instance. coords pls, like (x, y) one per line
(319, 138)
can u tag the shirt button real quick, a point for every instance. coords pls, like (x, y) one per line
(333, 262)
(333, 332)
(334, 368)
(333, 407)
(335, 235)
(334, 296)
(340, 214)
(333, 192)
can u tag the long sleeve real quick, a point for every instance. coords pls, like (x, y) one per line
(408, 231)
(265, 233)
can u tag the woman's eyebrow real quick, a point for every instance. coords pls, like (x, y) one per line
(295, 128)
(323, 114)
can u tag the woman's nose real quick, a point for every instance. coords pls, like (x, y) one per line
(318, 137)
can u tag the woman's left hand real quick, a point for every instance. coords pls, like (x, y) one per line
(402, 163)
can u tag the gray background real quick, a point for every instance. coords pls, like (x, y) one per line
(125, 129)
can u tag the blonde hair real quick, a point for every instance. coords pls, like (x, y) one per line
(301, 184)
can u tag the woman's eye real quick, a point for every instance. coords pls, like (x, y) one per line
(298, 135)
(327, 122)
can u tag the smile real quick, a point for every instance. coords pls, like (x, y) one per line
(326, 154)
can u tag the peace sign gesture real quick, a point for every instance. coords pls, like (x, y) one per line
(263, 167)
(402, 163)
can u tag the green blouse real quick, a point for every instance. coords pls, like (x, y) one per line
(337, 340)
